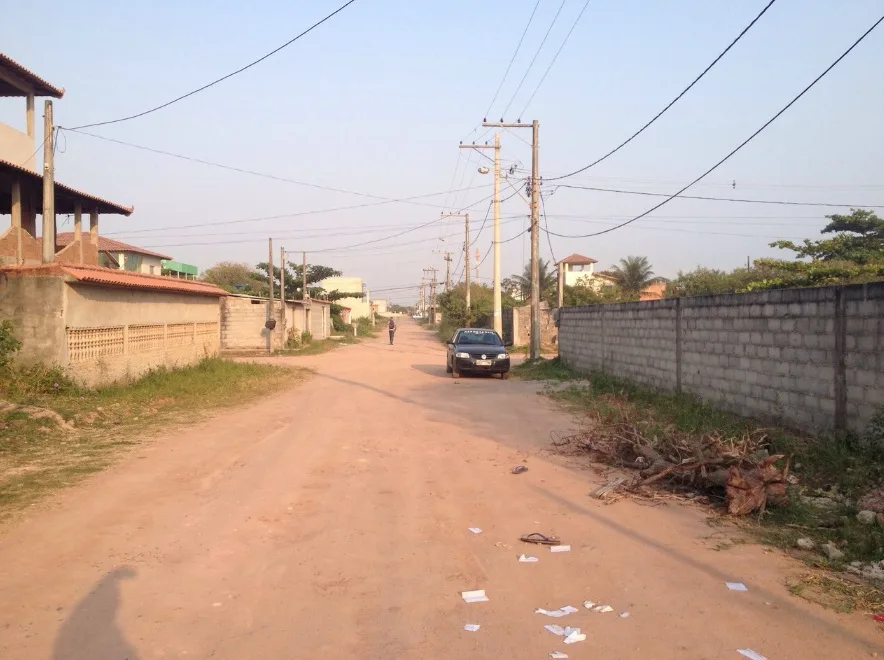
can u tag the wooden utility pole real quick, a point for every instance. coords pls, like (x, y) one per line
(497, 314)
(304, 275)
(535, 229)
(48, 186)
(282, 277)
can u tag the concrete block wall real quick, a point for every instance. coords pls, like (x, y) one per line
(243, 325)
(808, 358)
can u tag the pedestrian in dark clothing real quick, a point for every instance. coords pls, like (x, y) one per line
(391, 326)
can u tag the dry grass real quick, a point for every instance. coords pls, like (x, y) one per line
(835, 592)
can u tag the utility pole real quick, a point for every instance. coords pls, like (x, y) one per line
(432, 284)
(478, 259)
(48, 186)
(466, 253)
(270, 297)
(282, 277)
(447, 270)
(535, 228)
(304, 275)
(497, 313)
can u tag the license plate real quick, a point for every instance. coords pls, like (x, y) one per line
(483, 363)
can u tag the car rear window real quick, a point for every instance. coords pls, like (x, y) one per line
(478, 337)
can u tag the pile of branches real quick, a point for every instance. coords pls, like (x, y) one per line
(739, 468)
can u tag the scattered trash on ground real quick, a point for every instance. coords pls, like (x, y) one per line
(471, 627)
(537, 537)
(624, 615)
(554, 629)
(528, 560)
(574, 636)
(879, 618)
(558, 655)
(737, 586)
(477, 596)
(475, 530)
(519, 469)
(752, 655)
(560, 548)
(603, 608)
(739, 466)
(501, 544)
(562, 611)
(588, 604)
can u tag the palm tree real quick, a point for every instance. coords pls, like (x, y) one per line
(633, 275)
(547, 281)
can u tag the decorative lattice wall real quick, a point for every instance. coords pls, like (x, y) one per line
(85, 344)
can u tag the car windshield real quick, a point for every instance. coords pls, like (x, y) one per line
(478, 338)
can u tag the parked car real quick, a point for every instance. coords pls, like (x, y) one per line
(477, 350)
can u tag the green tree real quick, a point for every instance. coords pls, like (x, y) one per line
(633, 275)
(859, 238)
(709, 281)
(587, 294)
(548, 282)
(237, 278)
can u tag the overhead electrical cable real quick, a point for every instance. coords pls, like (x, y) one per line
(673, 101)
(745, 142)
(225, 77)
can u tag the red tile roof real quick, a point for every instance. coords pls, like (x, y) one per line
(41, 87)
(578, 260)
(121, 278)
(65, 197)
(108, 245)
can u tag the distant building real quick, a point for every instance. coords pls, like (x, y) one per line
(380, 307)
(578, 269)
(122, 256)
(359, 304)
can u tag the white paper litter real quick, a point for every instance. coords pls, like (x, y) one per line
(471, 627)
(624, 615)
(602, 608)
(575, 636)
(560, 548)
(737, 586)
(528, 560)
(752, 655)
(477, 596)
(569, 630)
(562, 611)
(558, 655)
(588, 604)
(555, 630)
(475, 530)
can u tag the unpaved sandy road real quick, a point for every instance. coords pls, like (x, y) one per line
(330, 521)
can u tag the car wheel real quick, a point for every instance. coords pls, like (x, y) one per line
(505, 375)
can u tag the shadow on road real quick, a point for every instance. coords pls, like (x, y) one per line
(91, 631)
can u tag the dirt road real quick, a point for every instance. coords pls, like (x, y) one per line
(330, 521)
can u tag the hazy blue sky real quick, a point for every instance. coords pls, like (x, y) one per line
(376, 100)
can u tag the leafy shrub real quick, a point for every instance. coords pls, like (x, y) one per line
(9, 345)
(306, 337)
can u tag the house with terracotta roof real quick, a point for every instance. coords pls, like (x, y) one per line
(122, 256)
(22, 186)
(577, 269)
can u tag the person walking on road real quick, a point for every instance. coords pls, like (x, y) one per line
(391, 326)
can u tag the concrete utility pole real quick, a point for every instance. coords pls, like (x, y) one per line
(560, 267)
(270, 296)
(282, 277)
(432, 284)
(466, 254)
(497, 313)
(478, 263)
(304, 275)
(535, 229)
(447, 270)
(48, 186)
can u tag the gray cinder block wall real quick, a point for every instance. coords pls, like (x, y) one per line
(812, 359)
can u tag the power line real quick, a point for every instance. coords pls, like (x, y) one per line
(555, 57)
(746, 141)
(241, 170)
(673, 101)
(223, 78)
(717, 199)
(512, 59)
(534, 59)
